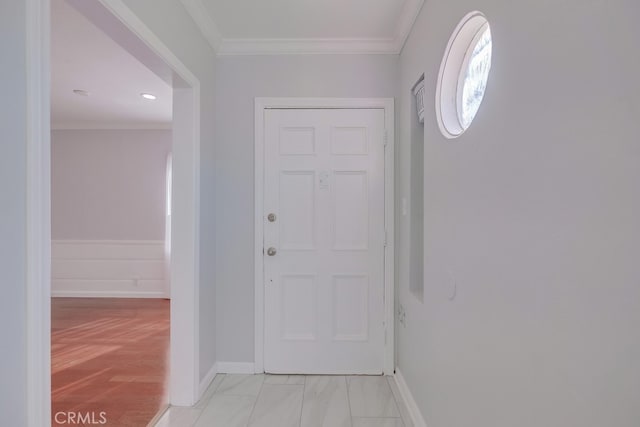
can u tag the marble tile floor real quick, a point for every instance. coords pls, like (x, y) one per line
(294, 401)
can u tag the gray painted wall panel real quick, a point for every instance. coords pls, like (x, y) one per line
(533, 214)
(240, 80)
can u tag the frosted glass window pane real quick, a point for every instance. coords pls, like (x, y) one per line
(475, 79)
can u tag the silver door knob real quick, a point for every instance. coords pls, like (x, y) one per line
(271, 217)
(271, 251)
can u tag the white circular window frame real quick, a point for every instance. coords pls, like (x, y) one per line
(452, 73)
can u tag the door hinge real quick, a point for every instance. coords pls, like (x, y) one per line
(386, 137)
(385, 238)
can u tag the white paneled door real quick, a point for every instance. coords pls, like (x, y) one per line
(324, 241)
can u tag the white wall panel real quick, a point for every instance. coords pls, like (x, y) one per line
(133, 269)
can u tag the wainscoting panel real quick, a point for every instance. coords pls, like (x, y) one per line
(108, 268)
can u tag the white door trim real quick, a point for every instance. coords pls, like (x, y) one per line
(387, 104)
(38, 232)
(184, 382)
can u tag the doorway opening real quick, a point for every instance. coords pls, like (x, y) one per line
(111, 120)
(120, 24)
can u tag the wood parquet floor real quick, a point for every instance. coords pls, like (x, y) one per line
(109, 361)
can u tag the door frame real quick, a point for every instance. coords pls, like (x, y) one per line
(386, 104)
(184, 324)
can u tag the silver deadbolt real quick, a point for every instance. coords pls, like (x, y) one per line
(271, 251)
(272, 217)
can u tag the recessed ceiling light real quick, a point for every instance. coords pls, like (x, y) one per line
(81, 92)
(148, 96)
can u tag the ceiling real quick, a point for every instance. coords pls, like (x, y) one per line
(83, 57)
(304, 26)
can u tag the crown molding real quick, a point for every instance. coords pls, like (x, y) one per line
(204, 22)
(306, 46)
(222, 46)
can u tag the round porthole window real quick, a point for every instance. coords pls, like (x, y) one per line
(463, 75)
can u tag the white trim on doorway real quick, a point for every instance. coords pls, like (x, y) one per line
(262, 104)
(184, 381)
(38, 232)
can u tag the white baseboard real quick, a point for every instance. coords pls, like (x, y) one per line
(108, 268)
(410, 402)
(206, 381)
(236, 367)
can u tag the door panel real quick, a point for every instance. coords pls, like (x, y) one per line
(350, 308)
(297, 210)
(324, 285)
(299, 307)
(350, 211)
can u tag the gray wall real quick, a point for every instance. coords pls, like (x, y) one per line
(239, 80)
(13, 391)
(109, 184)
(534, 214)
(170, 22)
